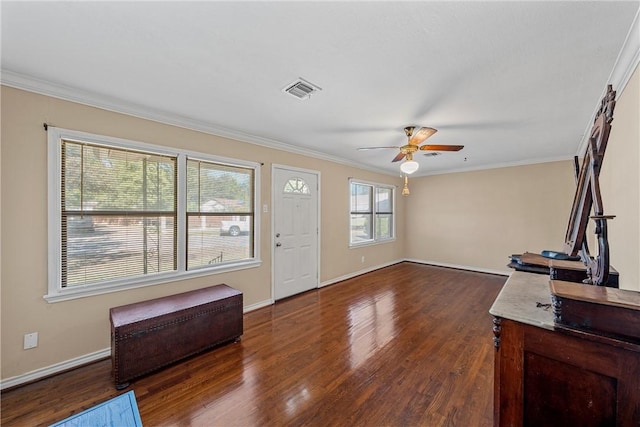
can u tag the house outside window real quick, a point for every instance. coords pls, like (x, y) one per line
(219, 206)
(118, 213)
(124, 214)
(371, 213)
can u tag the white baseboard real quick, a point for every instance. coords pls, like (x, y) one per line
(460, 267)
(257, 305)
(102, 354)
(55, 369)
(418, 261)
(83, 360)
(357, 273)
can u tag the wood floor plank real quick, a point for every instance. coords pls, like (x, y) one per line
(409, 344)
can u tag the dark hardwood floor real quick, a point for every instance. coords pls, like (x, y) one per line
(407, 345)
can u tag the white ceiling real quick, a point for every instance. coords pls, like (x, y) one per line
(515, 82)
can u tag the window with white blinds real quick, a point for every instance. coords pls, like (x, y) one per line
(125, 214)
(119, 213)
(220, 213)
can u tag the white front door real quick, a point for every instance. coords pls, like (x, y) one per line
(295, 231)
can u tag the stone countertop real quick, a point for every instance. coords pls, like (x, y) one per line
(519, 297)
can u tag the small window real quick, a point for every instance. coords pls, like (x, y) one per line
(371, 212)
(296, 185)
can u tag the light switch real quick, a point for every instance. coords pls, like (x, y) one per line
(30, 340)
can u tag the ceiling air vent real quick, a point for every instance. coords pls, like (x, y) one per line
(301, 89)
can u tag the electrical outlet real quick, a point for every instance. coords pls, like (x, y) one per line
(30, 340)
(362, 260)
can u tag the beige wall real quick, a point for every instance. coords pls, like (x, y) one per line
(72, 329)
(473, 219)
(477, 219)
(620, 185)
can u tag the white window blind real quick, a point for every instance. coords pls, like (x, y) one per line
(124, 214)
(220, 213)
(118, 216)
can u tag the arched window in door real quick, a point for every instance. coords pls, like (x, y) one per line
(296, 185)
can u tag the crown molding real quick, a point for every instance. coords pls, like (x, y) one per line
(628, 58)
(92, 99)
(497, 166)
(624, 67)
(42, 87)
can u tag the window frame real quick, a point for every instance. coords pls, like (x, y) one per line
(55, 291)
(251, 214)
(374, 187)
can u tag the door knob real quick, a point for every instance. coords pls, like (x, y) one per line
(278, 244)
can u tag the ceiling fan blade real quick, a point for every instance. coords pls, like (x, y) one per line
(374, 148)
(397, 158)
(421, 134)
(442, 147)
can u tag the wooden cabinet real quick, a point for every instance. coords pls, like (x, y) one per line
(547, 374)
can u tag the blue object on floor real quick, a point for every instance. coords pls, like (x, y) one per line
(121, 411)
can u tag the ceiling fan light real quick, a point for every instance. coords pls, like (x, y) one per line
(409, 167)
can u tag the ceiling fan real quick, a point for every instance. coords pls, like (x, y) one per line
(414, 139)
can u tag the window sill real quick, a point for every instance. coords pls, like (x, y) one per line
(370, 243)
(93, 290)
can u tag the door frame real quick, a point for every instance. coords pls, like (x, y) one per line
(272, 240)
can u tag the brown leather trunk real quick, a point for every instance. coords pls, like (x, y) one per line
(148, 335)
